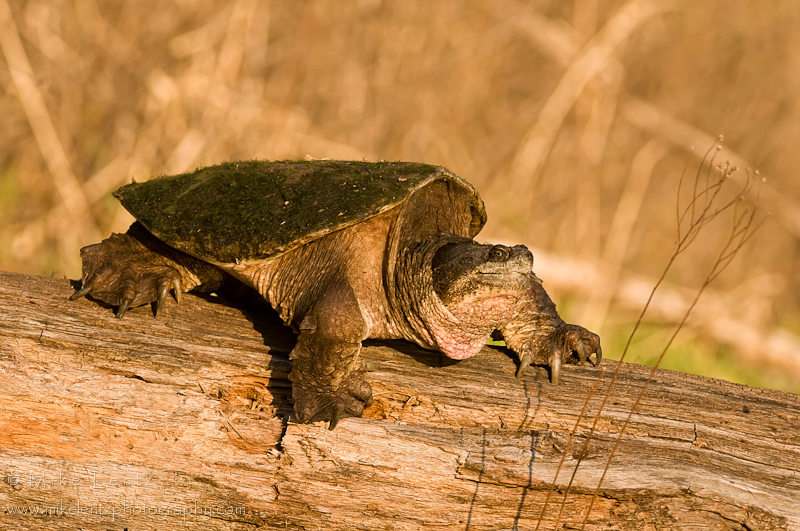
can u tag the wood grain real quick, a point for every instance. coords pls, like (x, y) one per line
(184, 422)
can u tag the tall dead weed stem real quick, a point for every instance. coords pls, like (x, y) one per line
(692, 216)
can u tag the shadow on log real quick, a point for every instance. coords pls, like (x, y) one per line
(184, 422)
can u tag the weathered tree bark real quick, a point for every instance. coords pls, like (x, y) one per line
(184, 422)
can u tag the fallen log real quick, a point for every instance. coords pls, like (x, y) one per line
(184, 422)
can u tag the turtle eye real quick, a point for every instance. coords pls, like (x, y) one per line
(498, 253)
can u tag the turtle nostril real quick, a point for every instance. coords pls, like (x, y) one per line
(498, 253)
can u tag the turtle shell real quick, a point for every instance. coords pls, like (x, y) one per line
(255, 210)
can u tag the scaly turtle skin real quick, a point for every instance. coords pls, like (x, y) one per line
(344, 251)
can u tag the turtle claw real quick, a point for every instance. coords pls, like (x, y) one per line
(85, 290)
(335, 418)
(524, 362)
(177, 290)
(122, 308)
(555, 368)
(598, 355)
(167, 285)
(580, 350)
(163, 292)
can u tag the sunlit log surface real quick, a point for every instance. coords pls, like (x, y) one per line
(184, 422)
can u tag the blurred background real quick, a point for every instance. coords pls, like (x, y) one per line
(574, 119)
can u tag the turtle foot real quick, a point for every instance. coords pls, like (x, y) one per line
(312, 403)
(568, 344)
(122, 272)
(578, 344)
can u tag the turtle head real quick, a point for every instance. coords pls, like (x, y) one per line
(454, 293)
(481, 280)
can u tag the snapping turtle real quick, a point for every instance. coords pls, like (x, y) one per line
(344, 251)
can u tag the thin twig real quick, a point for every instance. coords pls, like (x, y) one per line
(742, 229)
(566, 451)
(696, 216)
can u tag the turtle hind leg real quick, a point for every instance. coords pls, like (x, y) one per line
(327, 379)
(132, 269)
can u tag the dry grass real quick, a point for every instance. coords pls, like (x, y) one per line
(573, 119)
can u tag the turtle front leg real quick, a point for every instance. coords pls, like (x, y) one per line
(540, 337)
(327, 379)
(132, 269)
